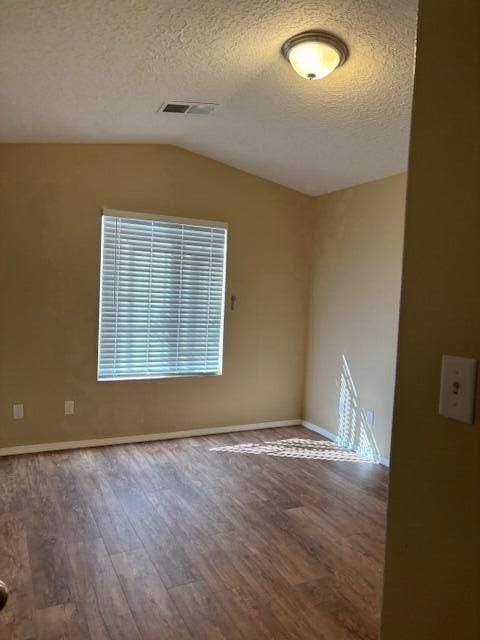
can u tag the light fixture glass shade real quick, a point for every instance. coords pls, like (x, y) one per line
(314, 60)
(315, 54)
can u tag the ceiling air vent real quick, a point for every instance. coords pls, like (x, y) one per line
(195, 108)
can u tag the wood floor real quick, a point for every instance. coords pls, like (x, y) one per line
(182, 539)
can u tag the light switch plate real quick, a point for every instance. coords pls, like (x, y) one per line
(457, 388)
(18, 411)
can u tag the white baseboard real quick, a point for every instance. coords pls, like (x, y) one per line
(314, 427)
(332, 436)
(148, 437)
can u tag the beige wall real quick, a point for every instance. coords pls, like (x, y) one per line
(50, 202)
(355, 292)
(433, 540)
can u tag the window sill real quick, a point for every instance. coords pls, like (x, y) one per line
(165, 377)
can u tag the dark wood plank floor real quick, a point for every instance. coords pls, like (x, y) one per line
(200, 538)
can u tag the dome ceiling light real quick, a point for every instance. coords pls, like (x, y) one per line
(315, 54)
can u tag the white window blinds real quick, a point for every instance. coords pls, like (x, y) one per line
(162, 291)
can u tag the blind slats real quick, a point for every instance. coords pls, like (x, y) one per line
(162, 293)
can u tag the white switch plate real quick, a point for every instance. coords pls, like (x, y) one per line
(370, 417)
(457, 388)
(18, 411)
(69, 407)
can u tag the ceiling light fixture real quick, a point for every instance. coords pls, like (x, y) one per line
(315, 54)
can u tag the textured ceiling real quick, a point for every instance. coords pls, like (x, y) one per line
(98, 70)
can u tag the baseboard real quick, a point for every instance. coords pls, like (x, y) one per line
(332, 436)
(314, 427)
(148, 437)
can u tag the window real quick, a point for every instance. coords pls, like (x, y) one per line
(162, 289)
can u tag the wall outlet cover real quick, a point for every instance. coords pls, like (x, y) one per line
(18, 412)
(69, 407)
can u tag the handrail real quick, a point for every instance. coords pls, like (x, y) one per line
(3, 594)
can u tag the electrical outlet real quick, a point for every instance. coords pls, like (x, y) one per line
(69, 407)
(18, 411)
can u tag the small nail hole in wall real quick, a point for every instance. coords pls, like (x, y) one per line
(233, 300)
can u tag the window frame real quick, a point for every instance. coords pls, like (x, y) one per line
(218, 224)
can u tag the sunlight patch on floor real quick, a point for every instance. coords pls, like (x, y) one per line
(296, 448)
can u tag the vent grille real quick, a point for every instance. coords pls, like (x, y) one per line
(195, 108)
(175, 108)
